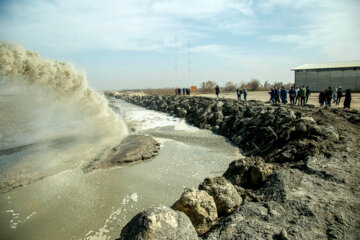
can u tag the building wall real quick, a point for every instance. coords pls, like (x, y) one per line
(323, 78)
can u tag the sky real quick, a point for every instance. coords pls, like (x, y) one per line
(138, 44)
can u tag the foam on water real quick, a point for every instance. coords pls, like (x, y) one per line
(149, 119)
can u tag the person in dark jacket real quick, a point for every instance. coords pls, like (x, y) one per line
(347, 100)
(272, 95)
(238, 93)
(302, 93)
(245, 92)
(277, 95)
(217, 91)
(308, 93)
(338, 95)
(283, 94)
(322, 97)
(328, 96)
(292, 95)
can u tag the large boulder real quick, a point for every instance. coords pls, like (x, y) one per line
(159, 223)
(224, 193)
(133, 148)
(250, 172)
(200, 207)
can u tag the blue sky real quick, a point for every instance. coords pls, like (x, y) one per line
(126, 44)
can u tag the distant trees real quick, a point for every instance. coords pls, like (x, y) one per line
(207, 86)
(230, 87)
(252, 85)
(281, 84)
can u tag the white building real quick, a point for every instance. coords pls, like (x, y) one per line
(324, 75)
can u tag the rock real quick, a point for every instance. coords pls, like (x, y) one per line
(301, 127)
(315, 195)
(283, 235)
(181, 112)
(250, 172)
(132, 149)
(200, 207)
(224, 193)
(309, 120)
(159, 223)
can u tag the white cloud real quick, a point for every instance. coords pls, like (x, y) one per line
(129, 25)
(212, 48)
(333, 29)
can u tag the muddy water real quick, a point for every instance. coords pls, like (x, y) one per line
(96, 205)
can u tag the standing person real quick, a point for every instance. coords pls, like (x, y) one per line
(292, 95)
(179, 91)
(334, 94)
(272, 95)
(239, 92)
(322, 97)
(283, 94)
(339, 94)
(217, 91)
(245, 94)
(277, 95)
(308, 93)
(302, 93)
(347, 100)
(297, 98)
(328, 96)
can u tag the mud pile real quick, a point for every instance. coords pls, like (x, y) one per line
(299, 179)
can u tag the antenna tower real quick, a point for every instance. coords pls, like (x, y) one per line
(189, 63)
(176, 60)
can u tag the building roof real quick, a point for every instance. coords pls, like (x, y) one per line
(328, 65)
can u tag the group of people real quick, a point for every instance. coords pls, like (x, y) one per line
(334, 95)
(300, 96)
(239, 92)
(185, 91)
(297, 95)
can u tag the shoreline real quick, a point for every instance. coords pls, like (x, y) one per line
(294, 146)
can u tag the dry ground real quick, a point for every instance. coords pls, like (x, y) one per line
(264, 96)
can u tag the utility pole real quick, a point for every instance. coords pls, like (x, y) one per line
(189, 63)
(176, 61)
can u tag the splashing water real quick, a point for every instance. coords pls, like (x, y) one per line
(48, 112)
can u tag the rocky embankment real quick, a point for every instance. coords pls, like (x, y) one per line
(299, 179)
